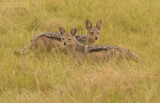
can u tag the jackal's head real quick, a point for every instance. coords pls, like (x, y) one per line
(93, 31)
(67, 38)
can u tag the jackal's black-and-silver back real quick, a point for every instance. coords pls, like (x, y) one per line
(112, 50)
(97, 48)
(106, 51)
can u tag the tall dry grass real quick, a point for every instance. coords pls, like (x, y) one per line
(52, 78)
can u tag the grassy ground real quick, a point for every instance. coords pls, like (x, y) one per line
(52, 78)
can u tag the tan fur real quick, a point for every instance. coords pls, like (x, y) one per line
(100, 55)
(42, 43)
(92, 32)
(112, 53)
(46, 44)
(67, 38)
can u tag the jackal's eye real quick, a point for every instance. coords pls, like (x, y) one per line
(62, 38)
(69, 39)
(97, 32)
(91, 32)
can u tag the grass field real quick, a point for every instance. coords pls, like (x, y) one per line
(53, 78)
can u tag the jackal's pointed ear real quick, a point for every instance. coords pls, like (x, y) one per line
(62, 30)
(73, 31)
(88, 24)
(98, 25)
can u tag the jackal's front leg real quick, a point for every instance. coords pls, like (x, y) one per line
(80, 58)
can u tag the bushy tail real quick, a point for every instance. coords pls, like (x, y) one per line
(25, 49)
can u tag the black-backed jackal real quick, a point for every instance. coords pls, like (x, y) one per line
(48, 40)
(92, 33)
(95, 52)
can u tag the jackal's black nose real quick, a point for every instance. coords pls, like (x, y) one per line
(96, 38)
(64, 43)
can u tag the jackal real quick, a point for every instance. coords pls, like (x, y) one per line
(92, 33)
(48, 40)
(95, 52)
(45, 42)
